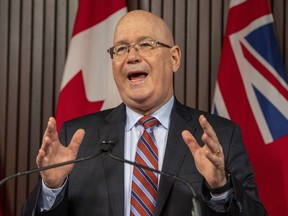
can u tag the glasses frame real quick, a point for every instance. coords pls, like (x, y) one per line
(157, 44)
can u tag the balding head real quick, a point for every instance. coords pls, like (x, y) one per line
(142, 23)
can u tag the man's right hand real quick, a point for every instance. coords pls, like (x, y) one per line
(52, 152)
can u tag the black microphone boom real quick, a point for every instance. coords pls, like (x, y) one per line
(103, 139)
(107, 147)
(48, 167)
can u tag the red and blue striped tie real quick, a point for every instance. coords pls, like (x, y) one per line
(144, 182)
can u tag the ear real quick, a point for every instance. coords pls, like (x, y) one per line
(175, 57)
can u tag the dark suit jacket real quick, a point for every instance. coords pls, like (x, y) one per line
(96, 187)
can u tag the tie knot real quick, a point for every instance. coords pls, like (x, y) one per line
(148, 121)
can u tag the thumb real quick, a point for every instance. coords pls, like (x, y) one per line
(76, 140)
(190, 141)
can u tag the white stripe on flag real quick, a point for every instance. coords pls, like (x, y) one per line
(219, 103)
(234, 3)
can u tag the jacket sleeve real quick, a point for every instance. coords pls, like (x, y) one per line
(60, 206)
(58, 209)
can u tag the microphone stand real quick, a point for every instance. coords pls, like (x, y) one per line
(196, 210)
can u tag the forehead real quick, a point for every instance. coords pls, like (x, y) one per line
(135, 27)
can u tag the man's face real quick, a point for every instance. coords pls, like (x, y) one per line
(144, 83)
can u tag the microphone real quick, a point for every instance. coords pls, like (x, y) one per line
(107, 147)
(104, 139)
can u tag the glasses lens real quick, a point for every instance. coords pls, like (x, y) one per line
(120, 52)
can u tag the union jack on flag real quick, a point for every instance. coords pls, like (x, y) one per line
(252, 90)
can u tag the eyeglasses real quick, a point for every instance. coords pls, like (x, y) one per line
(143, 48)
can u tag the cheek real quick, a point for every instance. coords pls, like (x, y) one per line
(117, 70)
(164, 71)
(165, 77)
(116, 66)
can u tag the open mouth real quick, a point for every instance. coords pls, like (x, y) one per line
(136, 76)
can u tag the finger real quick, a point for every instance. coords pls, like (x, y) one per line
(52, 129)
(215, 159)
(190, 141)
(50, 126)
(50, 132)
(40, 158)
(209, 136)
(214, 146)
(207, 128)
(76, 140)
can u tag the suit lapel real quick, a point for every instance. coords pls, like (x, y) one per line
(176, 149)
(114, 170)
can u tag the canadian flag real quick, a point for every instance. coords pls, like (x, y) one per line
(87, 84)
(252, 90)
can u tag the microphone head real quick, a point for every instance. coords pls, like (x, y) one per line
(108, 143)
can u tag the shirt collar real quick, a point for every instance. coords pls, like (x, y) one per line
(162, 114)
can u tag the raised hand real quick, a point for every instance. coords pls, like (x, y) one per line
(52, 152)
(209, 159)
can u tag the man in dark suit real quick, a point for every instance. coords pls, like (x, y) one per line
(204, 149)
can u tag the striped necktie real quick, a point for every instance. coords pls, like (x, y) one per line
(144, 182)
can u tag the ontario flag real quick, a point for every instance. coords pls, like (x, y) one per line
(252, 90)
(87, 84)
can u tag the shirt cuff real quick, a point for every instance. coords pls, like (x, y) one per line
(219, 197)
(48, 196)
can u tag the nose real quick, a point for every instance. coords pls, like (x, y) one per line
(132, 54)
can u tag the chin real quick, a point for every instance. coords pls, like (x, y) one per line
(137, 100)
